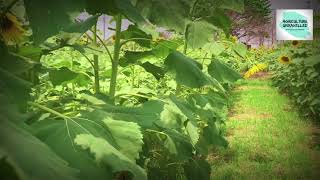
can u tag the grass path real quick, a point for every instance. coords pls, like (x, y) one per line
(268, 139)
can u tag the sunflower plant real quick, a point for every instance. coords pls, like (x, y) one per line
(300, 77)
(284, 59)
(156, 114)
(10, 28)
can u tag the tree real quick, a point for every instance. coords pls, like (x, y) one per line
(253, 22)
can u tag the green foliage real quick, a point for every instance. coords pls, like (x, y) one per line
(240, 49)
(222, 72)
(300, 79)
(187, 71)
(137, 35)
(18, 147)
(199, 33)
(197, 169)
(105, 153)
(49, 18)
(214, 48)
(59, 76)
(139, 131)
(159, 13)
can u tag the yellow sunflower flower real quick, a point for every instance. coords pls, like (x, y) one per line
(255, 69)
(295, 43)
(234, 39)
(10, 28)
(285, 59)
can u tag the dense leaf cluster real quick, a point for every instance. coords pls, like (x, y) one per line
(300, 79)
(56, 122)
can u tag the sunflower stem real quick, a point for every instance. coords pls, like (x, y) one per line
(116, 55)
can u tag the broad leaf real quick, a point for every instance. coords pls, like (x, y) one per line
(29, 157)
(177, 144)
(61, 133)
(222, 72)
(137, 35)
(166, 13)
(240, 49)
(163, 48)
(114, 7)
(199, 33)
(127, 136)
(220, 20)
(187, 71)
(127, 9)
(31, 52)
(193, 131)
(210, 136)
(15, 89)
(313, 60)
(106, 154)
(149, 115)
(16, 64)
(133, 57)
(214, 48)
(156, 71)
(62, 75)
(145, 115)
(48, 18)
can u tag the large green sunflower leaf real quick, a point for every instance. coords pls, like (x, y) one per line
(240, 49)
(146, 115)
(156, 71)
(61, 133)
(14, 88)
(133, 57)
(127, 9)
(222, 72)
(127, 136)
(193, 131)
(163, 48)
(214, 48)
(199, 33)
(166, 13)
(187, 71)
(149, 115)
(114, 7)
(29, 157)
(48, 18)
(62, 75)
(210, 136)
(14, 63)
(137, 35)
(178, 144)
(123, 137)
(220, 20)
(106, 154)
(11, 86)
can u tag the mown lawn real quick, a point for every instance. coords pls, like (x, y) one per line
(268, 139)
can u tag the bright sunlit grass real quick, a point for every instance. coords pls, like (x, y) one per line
(268, 139)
